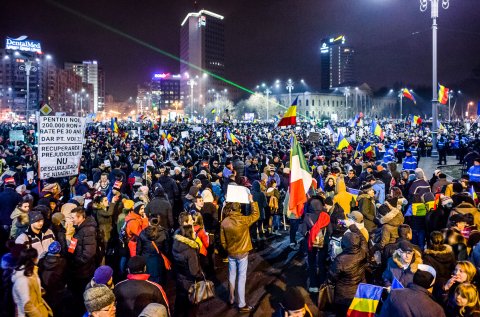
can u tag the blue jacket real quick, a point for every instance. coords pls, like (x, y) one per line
(379, 188)
(400, 146)
(410, 163)
(474, 173)
(388, 157)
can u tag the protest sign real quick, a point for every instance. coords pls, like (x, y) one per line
(60, 144)
(314, 136)
(185, 135)
(237, 194)
(16, 135)
(197, 129)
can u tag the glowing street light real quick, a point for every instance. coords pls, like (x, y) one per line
(289, 88)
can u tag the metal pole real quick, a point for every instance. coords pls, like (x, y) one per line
(268, 94)
(434, 8)
(449, 118)
(27, 71)
(401, 105)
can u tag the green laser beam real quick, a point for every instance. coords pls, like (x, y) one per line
(154, 48)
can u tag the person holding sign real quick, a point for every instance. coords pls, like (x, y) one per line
(235, 238)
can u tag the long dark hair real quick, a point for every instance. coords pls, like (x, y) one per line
(26, 261)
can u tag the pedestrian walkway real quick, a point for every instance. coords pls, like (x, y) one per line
(429, 165)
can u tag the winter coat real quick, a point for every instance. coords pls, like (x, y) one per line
(353, 182)
(410, 163)
(443, 261)
(437, 187)
(40, 242)
(260, 198)
(413, 301)
(385, 177)
(395, 269)
(27, 295)
(104, 220)
(253, 173)
(134, 226)
(170, 187)
(10, 199)
(390, 223)
(366, 205)
(19, 223)
(83, 259)
(418, 187)
(186, 261)
(135, 293)
(464, 208)
(348, 268)
(239, 167)
(379, 188)
(343, 198)
(235, 233)
(162, 207)
(148, 243)
(53, 274)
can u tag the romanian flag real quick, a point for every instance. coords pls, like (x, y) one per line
(407, 94)
(440, 125)
(368, 149)
(358, 150)
(417, 120)
(474, 195)
(418, 209)
(443, 94)
(163, 135)
(290, 117)
(300, 180)
(232, 137)
(169, 137)
(366, 300)
(354, 192)
(114, 125)
(376, 129)
(342, 142)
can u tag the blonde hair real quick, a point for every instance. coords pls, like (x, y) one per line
(468, 268)
(470, 293)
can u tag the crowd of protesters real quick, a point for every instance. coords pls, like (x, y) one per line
(148, 207)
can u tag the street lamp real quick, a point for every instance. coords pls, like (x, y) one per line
(289, 88)
(434, 16)
(191, 83)
(268, 92)
(401, 103)
(28, 67)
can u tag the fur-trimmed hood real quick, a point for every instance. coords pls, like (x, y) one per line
(189, 242)
(444, 255)
(417, 259)
(394, 217)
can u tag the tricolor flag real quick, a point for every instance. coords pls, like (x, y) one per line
(417, 120)
(376, 129)
(367, 148)
(114, 125)
(169, 137)
(474, 195)
(290, 117)
(300, 180)
(358, 150)
(443, 94)
(354, 192)
(440, 125)
(232, 137)
(342, 142)
(366, 300)
(407, 94)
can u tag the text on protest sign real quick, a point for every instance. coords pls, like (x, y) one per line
(56, 130)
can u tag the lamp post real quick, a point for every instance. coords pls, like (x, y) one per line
(28, 67)
(268, 92)
(191, 83)
(434, 15)
(289, 88)
(401, 104)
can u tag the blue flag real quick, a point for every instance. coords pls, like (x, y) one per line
(396, 284)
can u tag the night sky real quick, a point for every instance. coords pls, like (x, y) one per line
(265, 39)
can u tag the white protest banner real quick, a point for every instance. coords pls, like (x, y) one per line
(60, 145)
(219, 134)
(197, 129)
(237, 194)
(16, 135)
(185, 135)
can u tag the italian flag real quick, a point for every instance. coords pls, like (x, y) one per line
(300, 179)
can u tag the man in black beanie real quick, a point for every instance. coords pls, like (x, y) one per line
(136, 292)
(293, 304)
(415, 300)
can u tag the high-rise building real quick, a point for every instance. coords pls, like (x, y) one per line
(93, 75)
(202, 47)
(165, 91)
(336, 63)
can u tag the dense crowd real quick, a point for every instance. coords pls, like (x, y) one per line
(148, 208)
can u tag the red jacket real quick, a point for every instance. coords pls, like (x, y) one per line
(135, 225)
(203, 236)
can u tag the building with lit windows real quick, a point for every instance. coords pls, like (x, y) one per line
(337, 63)
(202, 38)
(93, 75)
(165, 91)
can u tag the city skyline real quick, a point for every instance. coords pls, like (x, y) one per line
(262, 38)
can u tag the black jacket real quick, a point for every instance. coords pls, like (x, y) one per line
(135, 293)
(83, 259)
(52, 270)
(10, 199)
(348, 269)
(162, 207)
(170, 187)
(353, 182)
(443, 261)
(185, 257)
(145, 246)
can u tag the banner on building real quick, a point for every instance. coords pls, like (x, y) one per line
(60, 145)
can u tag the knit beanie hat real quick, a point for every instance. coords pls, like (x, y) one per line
(54, 247)
(293, 299)
(128, 204)
(35, 216)
(154, 310)
(103, 274)
(97, 298)
(137, 206)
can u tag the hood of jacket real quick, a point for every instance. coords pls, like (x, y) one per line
(185, 243)
(17, 212)
(379, 184)
(132, 215)
(256, 186)
(50, 262)
(350, 243)
(341, 187)
(465, 208)
(394, 217)
(416, 260)
(444, 255)
(152, 234)
(364, 196)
